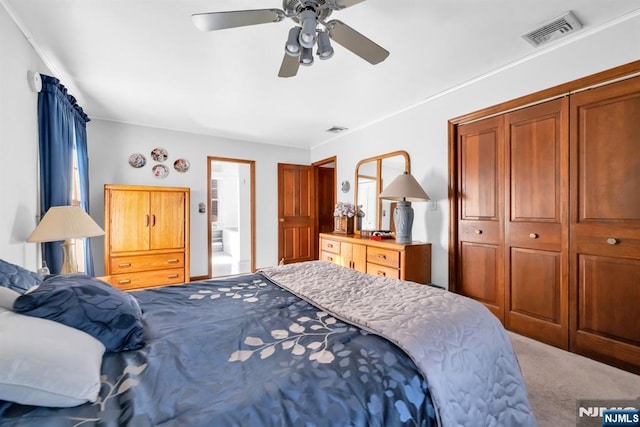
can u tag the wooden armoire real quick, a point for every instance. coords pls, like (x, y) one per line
(545, 214)
(146, 235)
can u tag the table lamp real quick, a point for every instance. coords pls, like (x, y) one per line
(65, 223)
(404, 189)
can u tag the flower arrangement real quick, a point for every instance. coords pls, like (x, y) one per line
(344, 210)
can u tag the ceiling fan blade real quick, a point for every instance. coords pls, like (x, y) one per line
(356, 42)
(239, 18)
(289, 67)
(341, 4)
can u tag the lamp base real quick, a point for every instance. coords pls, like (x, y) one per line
(69, 265)
(403, 219)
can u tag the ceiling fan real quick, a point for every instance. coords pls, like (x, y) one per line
(311, 28)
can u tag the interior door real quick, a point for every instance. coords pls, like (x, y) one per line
(296, 213)
(480, 272)
(536, 234)
(605, 224)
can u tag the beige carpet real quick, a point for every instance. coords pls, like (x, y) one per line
(556, 379)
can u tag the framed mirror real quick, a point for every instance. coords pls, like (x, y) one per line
(372, 175)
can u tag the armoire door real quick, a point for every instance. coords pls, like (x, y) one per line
(480, 268)
(605, 224)
(130, 220)
(536, 222)
(167, 210)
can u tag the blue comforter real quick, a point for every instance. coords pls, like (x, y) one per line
(245, 352)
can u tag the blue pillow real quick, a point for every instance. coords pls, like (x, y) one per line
(111, 316)
(17, 278)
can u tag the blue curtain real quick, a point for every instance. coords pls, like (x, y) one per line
(83, 171)
(58, 117)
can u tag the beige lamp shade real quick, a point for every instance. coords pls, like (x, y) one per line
(404, 187)
(64, 223)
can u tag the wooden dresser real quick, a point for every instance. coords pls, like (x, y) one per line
(146, 236)
(381, 258)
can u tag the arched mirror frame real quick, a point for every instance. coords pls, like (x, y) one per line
(378, 179)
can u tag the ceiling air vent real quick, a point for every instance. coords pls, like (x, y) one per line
(337, 129)
(555, 29)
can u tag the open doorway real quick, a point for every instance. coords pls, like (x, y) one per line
(231, 189)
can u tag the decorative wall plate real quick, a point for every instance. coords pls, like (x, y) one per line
(181, 165)
(159, 154)
(137, 160)
(160, 171)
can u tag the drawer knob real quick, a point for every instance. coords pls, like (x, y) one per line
(382, 256)
(124, 264)
(124, 281)
(533, 235)
(173, 261)
(330, 258)
(174, 276)
(382, 273)
(329, 245)
(612, 241)
(478, 231)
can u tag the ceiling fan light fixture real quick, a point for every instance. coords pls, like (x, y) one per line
(325, 50)
(306, 58)
(308, 33)
(292, 47)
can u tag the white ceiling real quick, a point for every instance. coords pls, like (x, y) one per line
(143, 61)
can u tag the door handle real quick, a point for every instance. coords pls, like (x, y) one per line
(153, 220)
(146, 220)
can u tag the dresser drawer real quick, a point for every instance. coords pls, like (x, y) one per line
(332, 246)
(147, 279)
(130, 264)
(328, 256)
(385, 257)
(382, 271)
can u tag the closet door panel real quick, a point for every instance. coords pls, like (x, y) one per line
(536, 237)
(605, 223)
(480, 273)
(537, 272)
(129, 221)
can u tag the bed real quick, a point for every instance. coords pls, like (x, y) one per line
(308, 344)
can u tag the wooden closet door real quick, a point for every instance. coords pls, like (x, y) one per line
(536, 227)
(480, 271)
(605, 224)
(129, 220)
(167, 211)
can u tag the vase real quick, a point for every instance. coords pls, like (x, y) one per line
(343, 225)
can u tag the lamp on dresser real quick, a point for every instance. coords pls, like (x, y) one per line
(65, 223)
(404, 189)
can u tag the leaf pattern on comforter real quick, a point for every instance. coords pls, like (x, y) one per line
(461, 348)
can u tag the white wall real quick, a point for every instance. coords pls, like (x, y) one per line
(18, 145)
(422, 130)
(111, 144)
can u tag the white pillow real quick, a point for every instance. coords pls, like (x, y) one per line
(45, 363)
(7, 297)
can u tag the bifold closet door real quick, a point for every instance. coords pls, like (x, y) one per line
(480, 267)
(536, 222)
(605, 224)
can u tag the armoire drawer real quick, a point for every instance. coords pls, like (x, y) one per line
(332, 246)
(385, 257)
(382, 271)
(147, 279)
(136, 263)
